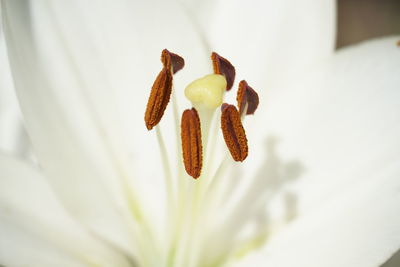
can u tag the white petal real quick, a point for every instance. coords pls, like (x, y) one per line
(35, 229)
(340, 124)
(340, 121)
(61, 122)
(358, 228)
(19, 248)
(82, 70)
(12, 133)
(268, 41)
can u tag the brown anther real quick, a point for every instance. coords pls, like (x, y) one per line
(172, 60)
(247, 95)
(224, 67)
(159, 98)
(233, 131)
(398, 43)
(192, 149)
(162, 88)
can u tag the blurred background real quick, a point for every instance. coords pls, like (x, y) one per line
(360, 20)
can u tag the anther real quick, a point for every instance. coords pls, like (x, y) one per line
(224, 67)
(191, 142)
(159, 98)
(171, 60)
(233, 132)
(162, 88)
(246, 96)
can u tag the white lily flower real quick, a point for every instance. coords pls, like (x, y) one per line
(321, 184)
(12, 134)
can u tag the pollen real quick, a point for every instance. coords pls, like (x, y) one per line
(192, 150)
(233, 132)
(159, 98)
(162, 87)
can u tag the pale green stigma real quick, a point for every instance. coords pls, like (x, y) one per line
(207, 91)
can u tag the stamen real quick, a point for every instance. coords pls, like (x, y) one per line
(247, 95)
(224, 67)
(191, 142)
(162, 88)
(159, 98)
(172, 60)
(233, 131)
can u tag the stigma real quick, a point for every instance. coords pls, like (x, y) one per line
(207, 91)
(206, 95)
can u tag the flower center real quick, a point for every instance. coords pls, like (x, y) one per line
(206, 94)
(192, 204)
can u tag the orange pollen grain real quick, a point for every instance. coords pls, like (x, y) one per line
(233, 132)
(159, 98)
(191, 142)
